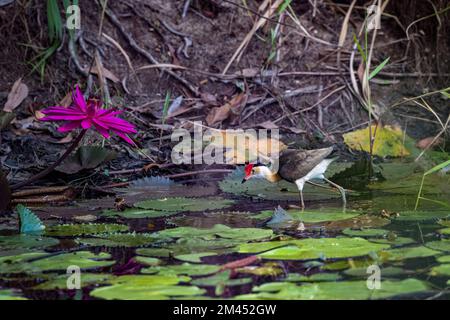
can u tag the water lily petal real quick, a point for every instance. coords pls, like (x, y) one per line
(102, 131)
(78, 99)
(124, 137)
(86, 123)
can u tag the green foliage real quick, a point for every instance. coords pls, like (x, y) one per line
(132, 239)
(184, 204)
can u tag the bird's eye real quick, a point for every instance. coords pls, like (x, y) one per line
(253, 171)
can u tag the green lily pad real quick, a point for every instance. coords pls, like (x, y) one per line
(403, 253)
(365, 232)
(313, 216)
(9, 294)
(318, 277)
(21, 243)
(442, 270)
(183, 269)
(421, 215)
(184, 204)
(396, 241)
(146, 287)
(148, 261)
(444, 259)
(441, 245)
(196, 245)
(86, 279)
(219, 230)
(135, 213)
(445, 231)
(221, 279)
(154, 252)
(119, 240)
(341, 290)
(433, 184)
(385, 272)
(267, 269)
(309, 249)
(71, 230)
(261, 188)
(85, 260)
(194, 257)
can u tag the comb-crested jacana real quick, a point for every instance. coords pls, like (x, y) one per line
(296, 166)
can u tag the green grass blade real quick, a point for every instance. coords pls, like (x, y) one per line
(378, 68)
(437, 168)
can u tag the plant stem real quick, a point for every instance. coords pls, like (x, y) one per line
(53, 166)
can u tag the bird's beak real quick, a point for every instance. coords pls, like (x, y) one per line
(244, 180)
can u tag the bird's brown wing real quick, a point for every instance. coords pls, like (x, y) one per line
(295, 164)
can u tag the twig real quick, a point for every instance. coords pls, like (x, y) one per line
(115, 21)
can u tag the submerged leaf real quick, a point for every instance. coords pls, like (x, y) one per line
(183, 269)
(341, 290)
(62, 230)
(119, 240)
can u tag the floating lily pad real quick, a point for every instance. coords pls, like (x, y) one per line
(442, 245)
(365, 232)
(86, 280)
(154, 252)
(358, 222)
(395, 241)
(135, 213)
(70, 230)
(385, 272)
(146, 287)
(183, 269)
(195, 245)
(341, 290)
(313, 216)
(219, 230)
(267, 269)
(433, 184)
(221, 279)
(408, 253)
(318, 277)
(22, 243)
(9, 294)
(260, 188)
(37, 262)
(194, 257)
(445, 231)
(184, 204)
(308, 249)
(148, 261)
(442, 270)
(119, 240)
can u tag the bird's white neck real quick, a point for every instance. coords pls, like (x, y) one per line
(266, 173)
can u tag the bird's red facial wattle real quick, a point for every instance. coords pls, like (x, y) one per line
(248, 172)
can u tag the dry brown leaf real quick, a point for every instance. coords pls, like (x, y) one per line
(66, 139)
(38, 115)
(67, 100)
(219, 114)
(268, 125)
(18, 93)
(106, 73)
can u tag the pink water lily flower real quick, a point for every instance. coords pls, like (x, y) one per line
(85, 114)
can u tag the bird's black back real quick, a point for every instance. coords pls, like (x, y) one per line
(295, 164)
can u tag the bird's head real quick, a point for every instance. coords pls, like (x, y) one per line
(255, 170)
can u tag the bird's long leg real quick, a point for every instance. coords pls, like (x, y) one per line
(300, 184)
(302, 204)
(341, 190)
